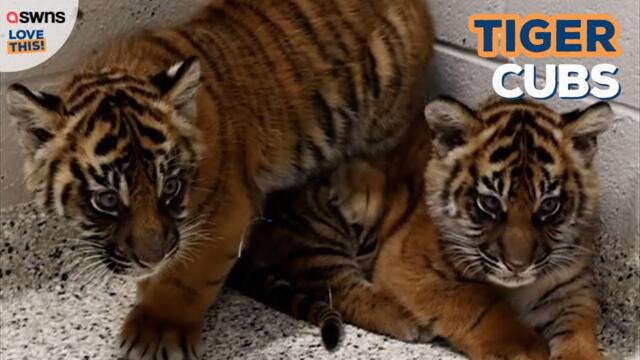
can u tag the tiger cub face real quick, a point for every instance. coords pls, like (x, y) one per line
(115, 153)
(512, 188)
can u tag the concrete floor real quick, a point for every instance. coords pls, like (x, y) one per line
(47, 310)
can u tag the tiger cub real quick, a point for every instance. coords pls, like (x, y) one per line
(163, 144)
(498, 260)
(314, 250)
(482, 240)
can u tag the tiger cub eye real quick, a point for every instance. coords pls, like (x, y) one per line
(549, 207)
(490, 205)
(172, 187)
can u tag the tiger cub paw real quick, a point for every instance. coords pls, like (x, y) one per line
(578, 352)
(357, 189)
(517, 348)
(579, 356)
(144, 337)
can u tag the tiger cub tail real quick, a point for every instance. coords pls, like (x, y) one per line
(262, 284)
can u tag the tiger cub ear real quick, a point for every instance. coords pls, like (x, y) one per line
(179, 85)
(451, 124)
(37, 115)
(584, 127)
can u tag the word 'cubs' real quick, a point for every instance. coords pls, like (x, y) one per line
(163, 144)
(476, 229)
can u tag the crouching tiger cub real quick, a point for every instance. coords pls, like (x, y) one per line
(477, 233)
(162, 144)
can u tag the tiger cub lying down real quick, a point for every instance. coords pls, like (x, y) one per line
(477, 233)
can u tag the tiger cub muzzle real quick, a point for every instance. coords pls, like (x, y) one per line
(146, 238)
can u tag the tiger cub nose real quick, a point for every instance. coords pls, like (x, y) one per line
(150, 250)
(516, 265)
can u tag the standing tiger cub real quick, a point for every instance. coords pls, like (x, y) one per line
(476, 229)
(163, 144)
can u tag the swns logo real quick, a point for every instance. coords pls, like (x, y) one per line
(28, 41)
(33, 30)
(36, 17)
(560, 36)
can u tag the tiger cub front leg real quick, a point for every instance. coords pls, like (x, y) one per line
(482, 327)
(572, 333)
(370, 307)
(471, 317)
(581, 344)
(357, 189)
(167, 320)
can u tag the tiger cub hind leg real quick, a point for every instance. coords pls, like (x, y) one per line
(371, 307)
(262, 284)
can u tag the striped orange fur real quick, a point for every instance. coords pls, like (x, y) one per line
(163, 143)
(477, 230)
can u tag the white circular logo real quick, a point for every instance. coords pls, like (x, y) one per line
(32, 31)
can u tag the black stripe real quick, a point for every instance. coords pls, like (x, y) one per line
(184, 347)
(100, 179)
(482, 315)
(371, 74)
(66, 193)
(90, 125)
(84, 102)
(78, 78)
(222, 136)
(487, 183)
(106, 145)
(337, 30)
(563, 333)
(292, 59)
(502, 153)
(155, 135)
(316, 153)
(542, 300)
(53, 171)
(124, 97)
(167, 46)
(351, 97)
(280, 37)
(102, 82)
(543, 155)
(449, 182)
(326, 117)
(582, 197)
(544, 326)
(543, 133)
(493, 119)
(302, 21)
(389, 38)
